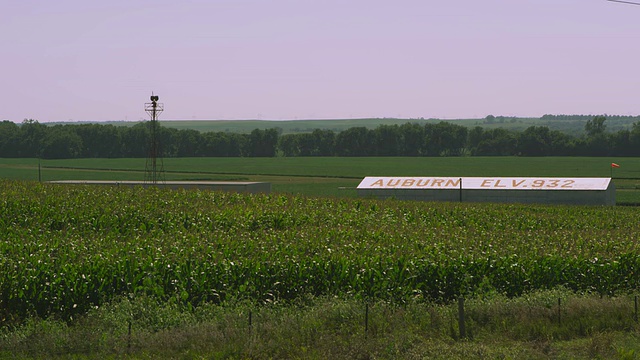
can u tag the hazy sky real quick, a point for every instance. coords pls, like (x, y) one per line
(300, 59)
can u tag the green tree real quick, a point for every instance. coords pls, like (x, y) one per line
(9, 133)
(595, 126)
(445, 138)
(239, 145)
(597, 143)
(306, 144)
(32, 133)
(412, 138)
(61, 142)
(474, 138)
(497, 142)
(288, 145)
(490, 119)
(387, 139)
(99, 141)
(355, 141)
(189, 143)
(621, 143)
(534, 141)
(634, 139)
(325, 141)
(263, 142)
(561, 144)
(135, 141)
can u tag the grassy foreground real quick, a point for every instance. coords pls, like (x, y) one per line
(589, 327)
(93, 272)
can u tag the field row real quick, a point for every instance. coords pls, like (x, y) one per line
(66, 249)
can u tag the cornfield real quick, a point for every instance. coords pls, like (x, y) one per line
(66, 249)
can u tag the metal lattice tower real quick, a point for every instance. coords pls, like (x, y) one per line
(154, 168)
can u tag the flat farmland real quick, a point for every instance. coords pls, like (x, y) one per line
(108, 272)
(331, 176)
(573, 126)
(151, 273)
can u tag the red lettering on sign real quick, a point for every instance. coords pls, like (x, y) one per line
(392, 183)
(408, 182)
(486, 183)
(453, 183)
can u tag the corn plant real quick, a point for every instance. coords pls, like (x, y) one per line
(65, 249)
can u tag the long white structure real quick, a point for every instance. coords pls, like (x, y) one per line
(583, 191)
(231, 186)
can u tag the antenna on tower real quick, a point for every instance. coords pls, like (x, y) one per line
(154, 168)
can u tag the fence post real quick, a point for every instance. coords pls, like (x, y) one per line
(461, 325)
(635, 306)
(366, 319)
(559, 313)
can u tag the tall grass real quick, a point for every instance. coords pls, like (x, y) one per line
(323, 328)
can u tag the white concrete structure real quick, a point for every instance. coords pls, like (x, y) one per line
(581, 191)
(233, 186)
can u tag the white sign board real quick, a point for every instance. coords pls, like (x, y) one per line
(496, 183)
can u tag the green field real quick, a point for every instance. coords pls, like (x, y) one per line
(336, 125)
(403, 249)
(333, 176)
(107, 272)
(575, 127)
(84, 267)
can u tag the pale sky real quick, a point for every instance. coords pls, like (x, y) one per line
(89, 60)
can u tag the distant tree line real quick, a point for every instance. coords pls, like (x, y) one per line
(33, 139)
(587, 117)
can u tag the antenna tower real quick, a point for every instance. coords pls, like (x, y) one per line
(154, 168)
